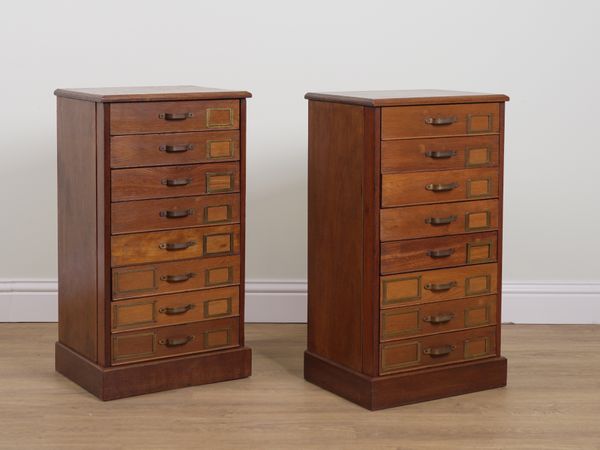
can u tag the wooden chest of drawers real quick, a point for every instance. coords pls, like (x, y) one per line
(151, 238)
(404, 244)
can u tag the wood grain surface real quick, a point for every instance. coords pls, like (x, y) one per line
(134, 118)
(335, 219)
(77, 227)
(193, 179)
(438, 252)
(140, 150)
(412, 121)
(170, 213)
(400, 189)
(403, 97)
(149, 93)
(412, 155)
(140, 248)
(174, 309)
(153, 279)
(552, 402)
(411, 221)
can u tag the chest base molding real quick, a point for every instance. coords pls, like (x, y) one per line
(153, 376)
(402, 389)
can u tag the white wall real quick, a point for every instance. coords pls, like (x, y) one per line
(543, 54)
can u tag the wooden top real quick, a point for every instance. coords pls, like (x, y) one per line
(149, 93)
(405, 97)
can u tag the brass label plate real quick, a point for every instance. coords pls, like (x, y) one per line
(214, 276)
(478, 285)
(398, 290)
(121, 280)
(479, 123)
(477, 348)
(213, 303)
(219, 117)
(401, 355)
(397, 323)
(144, 308)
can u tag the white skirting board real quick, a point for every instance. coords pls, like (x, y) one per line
(284, 301)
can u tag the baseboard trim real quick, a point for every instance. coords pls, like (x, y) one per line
(284, 301)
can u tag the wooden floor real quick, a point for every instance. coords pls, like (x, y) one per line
(552, 402)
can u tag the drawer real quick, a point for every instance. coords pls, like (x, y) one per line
(398, 189)
(171, 277)
(438, 220)
(439, 120)
(436, 350)
(439, 317)
(174, 340)
(174, 148)
(174, 245)
(163, 117)
(435, 253)
(438, 285)
(174, 181)
(173, 309)
(170, 213)
(415, 155)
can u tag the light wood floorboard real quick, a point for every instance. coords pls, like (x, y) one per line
(552, 402)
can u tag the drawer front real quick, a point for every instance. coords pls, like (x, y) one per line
(174, 340)
(438, 285)
(174, 181)
(181, 276)
(174, 245)
(399, 189)
(162, 117)
(438, 220)
(151, 312)
(172, 149)
(439, 317)
(439, 154)
(436, 350)
(436, 253)
(439, 120)
(171, 213)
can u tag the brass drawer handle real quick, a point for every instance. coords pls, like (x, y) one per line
(171, 116)
(440, 253)
(439, 351)
(178, 278)
(440, 287)
(440, 318)
(176, 342)
(174, 246)
(440, 120)
(440, 154)
(176, 182)
(440, 220)
(177, 310)
(176, 148)
(441, 187)
(176, 214)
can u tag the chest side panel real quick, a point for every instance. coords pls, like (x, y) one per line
(335, 232)
(77, 269)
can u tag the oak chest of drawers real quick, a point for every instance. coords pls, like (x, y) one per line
(151, 238)
(404, 244)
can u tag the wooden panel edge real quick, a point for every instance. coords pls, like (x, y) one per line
(374, 103)
(242, 194)
(125, 98)
(500, 236)
(371, 247)
(155, 376)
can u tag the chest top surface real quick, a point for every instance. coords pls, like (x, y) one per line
(405, 97)
(149, 93)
